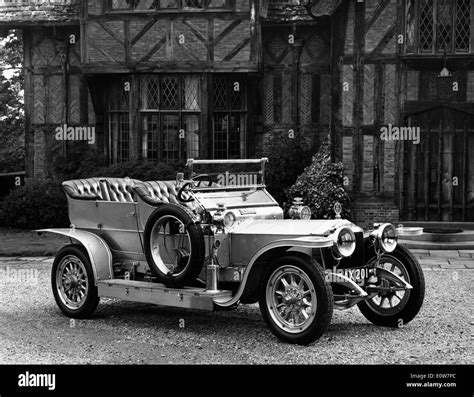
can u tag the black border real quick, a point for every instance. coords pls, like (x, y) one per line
(222, 380)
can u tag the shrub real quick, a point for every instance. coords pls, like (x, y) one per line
(321, 185)
(83, 163)
(38, 204)
(12, 150)
(287, 159)
(80, 162)
(144, 171)
(42, 203)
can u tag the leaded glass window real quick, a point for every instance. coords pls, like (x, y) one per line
(145, 4)
(426, 35)
(121, 4)
(444, 33)
(193, 3)
(171, 114)
(463, 25)
(410, 25)
(170, 98)
(119, 127)
(119, 123)
(229, 117)
(436, 26)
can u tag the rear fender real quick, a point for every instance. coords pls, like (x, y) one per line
(97, 249)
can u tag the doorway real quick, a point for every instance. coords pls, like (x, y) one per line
(438, 173)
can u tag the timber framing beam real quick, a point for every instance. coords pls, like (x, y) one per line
(338, 39)
(385, 40)
(173, 67)
(112, 62)
(372, 18)
(358, 108)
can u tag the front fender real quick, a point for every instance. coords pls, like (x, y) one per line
(99, 252)
(299, 242)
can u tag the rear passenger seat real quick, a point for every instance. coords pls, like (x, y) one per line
(118, 189)
(123, 190)
(102, 189)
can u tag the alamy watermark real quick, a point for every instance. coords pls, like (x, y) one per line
(67, 133)
(10, 275)
(393, 133)
(229, 179)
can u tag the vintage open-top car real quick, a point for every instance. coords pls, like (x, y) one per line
(219, 239)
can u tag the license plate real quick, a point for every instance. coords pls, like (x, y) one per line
(357, 275)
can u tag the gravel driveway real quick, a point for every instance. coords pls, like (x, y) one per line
(33, 330)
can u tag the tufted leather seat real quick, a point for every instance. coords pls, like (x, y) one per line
(83, 189)
(157, 192)
(118, 189)
(106, 189)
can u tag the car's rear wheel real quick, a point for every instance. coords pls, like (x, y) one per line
(73, 283)
(174, 246)
(397, 308)
(295, 300)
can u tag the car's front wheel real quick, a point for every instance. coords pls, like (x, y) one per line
(72, 279)
(295, 299)
(397, 308)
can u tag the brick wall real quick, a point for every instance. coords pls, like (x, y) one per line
(348, 95)
(390, 105)
(349, 48)
(368, 211)
(106, 39)
(389, 167)
(470, 86)
(242, 5)
(368, 167)
(412, 83)
(369, 94)
(347, 161)
(154, 35)
(39, 159)
(383, 23)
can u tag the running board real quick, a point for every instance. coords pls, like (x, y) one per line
(159, 294)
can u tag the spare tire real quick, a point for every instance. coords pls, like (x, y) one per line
(174, 245)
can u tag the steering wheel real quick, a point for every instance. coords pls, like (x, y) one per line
(203, 177)
(185, 189)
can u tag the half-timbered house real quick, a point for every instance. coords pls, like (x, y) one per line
(391, 82)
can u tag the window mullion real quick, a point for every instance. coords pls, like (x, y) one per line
(435, 27)
(181, 105)
(228, 133)
(417, 28)
(454, 11)
(229, 113)
(471, 41)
